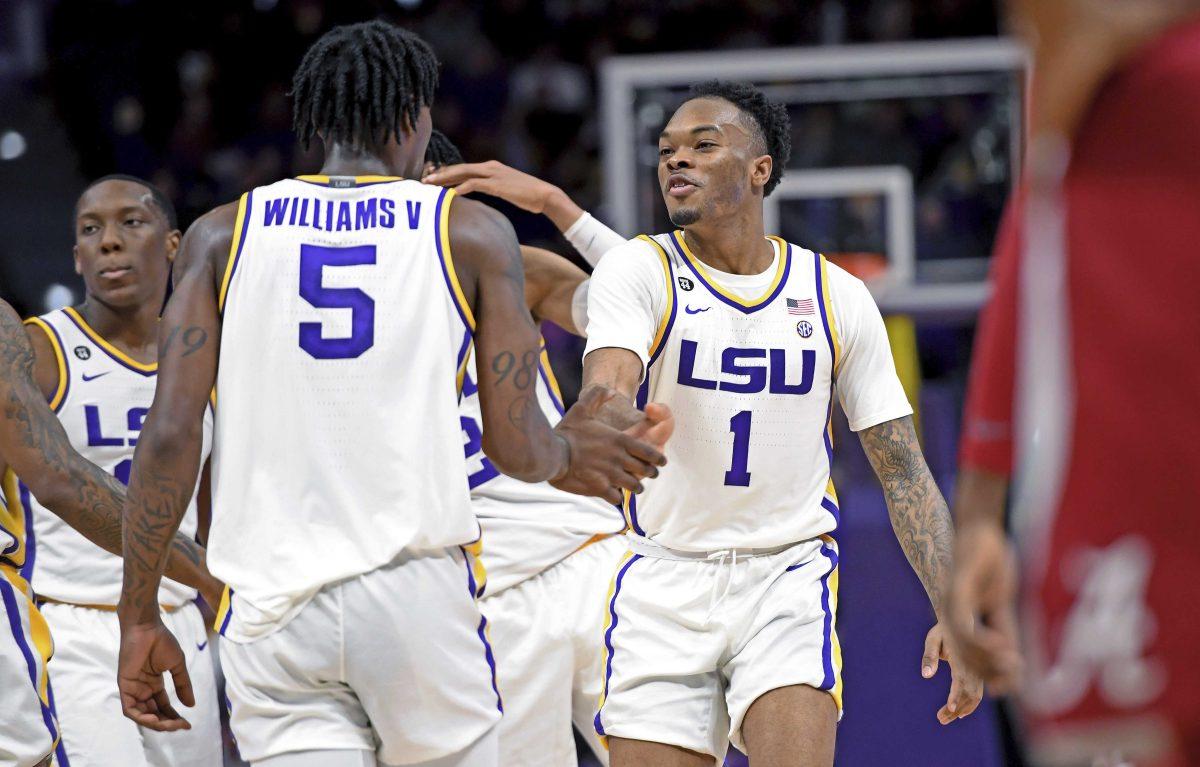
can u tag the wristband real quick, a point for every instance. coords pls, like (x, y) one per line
(592, 238)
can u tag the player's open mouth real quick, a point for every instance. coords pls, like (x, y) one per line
(679, 185)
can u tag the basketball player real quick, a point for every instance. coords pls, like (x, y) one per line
(96, 365)
(549, 554)
(722, 613)
(343, 307)
(34, 446)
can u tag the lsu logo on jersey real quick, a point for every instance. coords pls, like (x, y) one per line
(97, 436)
(748, 370)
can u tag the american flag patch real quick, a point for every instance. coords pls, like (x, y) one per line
(801, 307)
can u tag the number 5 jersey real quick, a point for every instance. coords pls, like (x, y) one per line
(749, 365)
(344, 341)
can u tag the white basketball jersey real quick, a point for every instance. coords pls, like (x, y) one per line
(343, 341)
(102, 400)
(527, 527)
(750, 384)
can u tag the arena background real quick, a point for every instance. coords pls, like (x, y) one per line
(194, 96)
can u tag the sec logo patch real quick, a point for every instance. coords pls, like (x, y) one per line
(804, 328)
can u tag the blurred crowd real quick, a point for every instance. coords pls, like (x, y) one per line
(193, 94)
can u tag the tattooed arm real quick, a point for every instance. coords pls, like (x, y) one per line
(165, 466)
(923, 527)
(580, 454)
(918, 512)
(34, 445)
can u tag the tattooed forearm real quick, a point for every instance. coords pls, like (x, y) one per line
(917, 510)
(33, 443)
(157, 501)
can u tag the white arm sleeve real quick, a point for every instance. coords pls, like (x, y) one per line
(867, 384)
(591, 238)
(626, 300)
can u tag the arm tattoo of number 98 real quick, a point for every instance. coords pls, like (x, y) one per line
(504, 363)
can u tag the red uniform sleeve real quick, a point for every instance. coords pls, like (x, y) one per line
(987, 435)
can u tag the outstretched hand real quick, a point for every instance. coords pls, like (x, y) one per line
(147, 651)
(966, 687)
(497, 179)
(602, 460)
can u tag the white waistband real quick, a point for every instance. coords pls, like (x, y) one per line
(649, 548)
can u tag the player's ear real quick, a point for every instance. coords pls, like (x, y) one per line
(760, 170)
(173, 239)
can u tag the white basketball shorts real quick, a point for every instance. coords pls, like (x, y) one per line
(692, 640)
(29, 732)
(83, 675)
(547, 634)
(394, 661)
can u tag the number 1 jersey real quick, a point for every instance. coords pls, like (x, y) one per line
(344, 339)
(748, 365)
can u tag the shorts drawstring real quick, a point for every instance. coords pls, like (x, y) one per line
(722, 558)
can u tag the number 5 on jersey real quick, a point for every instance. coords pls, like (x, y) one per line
(313, 260)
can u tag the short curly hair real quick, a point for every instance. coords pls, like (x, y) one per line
(769, 117)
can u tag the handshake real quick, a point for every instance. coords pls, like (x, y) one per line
(611, 445)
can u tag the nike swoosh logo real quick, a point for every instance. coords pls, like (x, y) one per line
(690, 310)
(87, 377)
(201, 645)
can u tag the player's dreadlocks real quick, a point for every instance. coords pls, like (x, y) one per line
(358, 82)
(441, 150)
(769, 117)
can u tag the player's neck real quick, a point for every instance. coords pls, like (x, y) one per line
(133, 329)
(341, 160)
(735, 246)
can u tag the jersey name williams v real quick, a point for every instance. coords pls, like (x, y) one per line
(344, 338)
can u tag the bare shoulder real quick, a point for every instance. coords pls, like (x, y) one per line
(482, 242)
(206, 246)
(479, 233)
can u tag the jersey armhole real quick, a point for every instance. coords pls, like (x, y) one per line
(826, 303)
(235, 249)
(668, 319)
(60, 359)
(441, 237)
